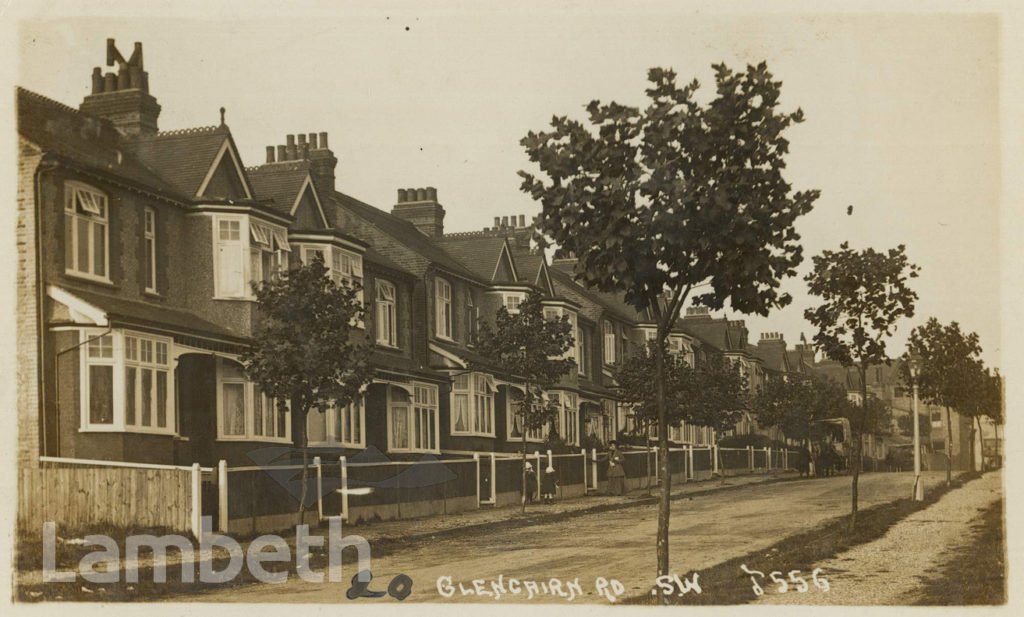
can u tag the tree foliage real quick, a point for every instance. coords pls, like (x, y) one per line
(798, 405)
(654, 202)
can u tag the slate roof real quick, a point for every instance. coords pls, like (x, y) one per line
(87, 140)
(772, 356)
(279, 182)
(182, 157)
(133, 312)
(561, 277)
(478, 253)
(528, 266)
(716, 332)
(363, 220)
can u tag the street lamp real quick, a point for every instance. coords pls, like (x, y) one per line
(914, 364)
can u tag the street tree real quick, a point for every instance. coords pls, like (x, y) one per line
(307, 350)
(982, 398)
(949, 368)
(863, 295)
(531, 348)
(798, 405)
(711, 394)
(677, 197)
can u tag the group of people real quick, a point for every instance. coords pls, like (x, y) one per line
(549, 482)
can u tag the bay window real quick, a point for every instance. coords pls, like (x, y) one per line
(552, 313)
(568, 416)
(511, 301)
(443, 308)
(337, 425)
(241, 258)
(515, 419)
(473, 405)
(127, 383)
(267, 248)
(386, 299)
(412, 420)
(86, 235)
(244, 412)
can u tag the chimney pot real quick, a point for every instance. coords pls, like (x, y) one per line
(270, 154)
(401, 196)
(421, 195)
(312, 141)
(522, 220)
(504, 221)
(282, 153)
(97, 80)
(134, 77)
(497, 222)
(323, 140)
(304, 150)
(431, 193)
(109, 82)
(302, 140)
(290, 147)
(123, 80)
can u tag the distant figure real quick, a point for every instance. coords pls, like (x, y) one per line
(616, 472)
(849, 210)
(803, 462)
(548, 485)
(531, 483)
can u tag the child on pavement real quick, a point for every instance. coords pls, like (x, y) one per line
(548, 485)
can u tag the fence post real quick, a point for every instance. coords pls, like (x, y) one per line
(476, 459)
(222, 496)
(536, 459)
(319, 489)
(714, 459)
(550, 463)
(343, 464)
(494, 480)
(689, 463)
(750, 456)
(785, 459)
(768, 458)
(197, 501)
(586, 470)
(593, 465)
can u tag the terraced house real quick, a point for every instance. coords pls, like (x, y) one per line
(138, 248)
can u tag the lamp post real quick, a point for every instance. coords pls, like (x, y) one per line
(915, 367)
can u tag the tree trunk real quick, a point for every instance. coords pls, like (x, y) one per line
(856, 429)
(975, 437)
(299, 429)
(666, 483)
(949, 448)
(526, 405)
(647, 443)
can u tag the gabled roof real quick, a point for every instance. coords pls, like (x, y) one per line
(187, 158)
(773, 356)
(488, 257)
(396, 238)
(561, 276)
(285, 183)
(88, 141)
(719, 333)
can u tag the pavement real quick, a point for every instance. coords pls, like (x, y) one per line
(590, 547)
(892, 569)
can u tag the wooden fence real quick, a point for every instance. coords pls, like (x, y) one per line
(77, 498)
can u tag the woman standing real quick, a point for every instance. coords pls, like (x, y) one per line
(616, 472)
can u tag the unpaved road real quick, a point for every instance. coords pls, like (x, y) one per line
(705, 531)
(891, 570)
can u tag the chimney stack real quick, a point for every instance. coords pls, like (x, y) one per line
(270, 154)
(420, 207)
(282, 154)
(290, 147)
(312, 141)
(123, 98)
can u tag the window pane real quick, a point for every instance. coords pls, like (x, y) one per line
(357, 422)
(101, 394)
(282, 418)
(83, 246)
(69, 242)
(146, 389)
(316, 426)
(234, 408)
(399, 427)
(255, 262)
(161, 399)
(461, 412)
(150, 259)
(257, 411)
(99, 265)
(130, 377)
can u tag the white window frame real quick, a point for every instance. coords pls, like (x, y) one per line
(245, 245)
(534, 435)
(386, 313)
(444, 328)
(558, 312)
(149, 240)
(479, 404)
(342, 266)
(581, 352)
(265, 244)
(568, 415)
(610, 348)
(353, 415)
(95, 213)
(119, 364)
(415, 408)
(512, 300)
(148, 353)
(249, 391)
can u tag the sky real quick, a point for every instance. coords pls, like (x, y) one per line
(902, 111)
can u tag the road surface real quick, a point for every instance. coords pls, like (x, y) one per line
(705, 530)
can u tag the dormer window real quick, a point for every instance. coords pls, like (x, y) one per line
(86, 235)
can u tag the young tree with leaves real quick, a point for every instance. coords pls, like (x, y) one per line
(307, 350)
(949, 363)
(655, 203)
(528, 347)
(863, 295)
(798, 405)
